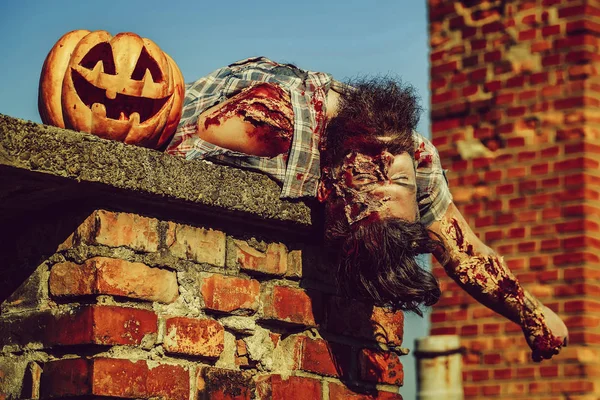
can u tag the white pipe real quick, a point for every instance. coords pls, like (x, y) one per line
(439, 367)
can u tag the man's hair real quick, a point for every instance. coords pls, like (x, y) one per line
(376, 258)
(377, 261)
(370, 108)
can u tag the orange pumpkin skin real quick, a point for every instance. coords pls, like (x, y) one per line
(122, 88)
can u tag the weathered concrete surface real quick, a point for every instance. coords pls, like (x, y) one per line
(42, 165)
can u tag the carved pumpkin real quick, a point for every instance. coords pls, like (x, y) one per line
(122, 88)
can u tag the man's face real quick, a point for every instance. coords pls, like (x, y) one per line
(378, 185)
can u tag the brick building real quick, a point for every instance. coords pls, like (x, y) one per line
(515, 116)
(128, 273)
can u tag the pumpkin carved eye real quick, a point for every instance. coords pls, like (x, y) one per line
(102, 52)
(145, 62)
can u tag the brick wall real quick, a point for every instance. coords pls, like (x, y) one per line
(148, 297)
(515, 117)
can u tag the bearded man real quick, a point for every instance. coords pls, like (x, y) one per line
(385, 194)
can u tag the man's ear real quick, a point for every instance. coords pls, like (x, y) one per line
(323, 192)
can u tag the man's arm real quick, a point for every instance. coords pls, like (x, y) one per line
(483, 274)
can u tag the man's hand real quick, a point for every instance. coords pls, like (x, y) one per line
(559, 337)
(483, 274)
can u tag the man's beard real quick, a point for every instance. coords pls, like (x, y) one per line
(376, 261)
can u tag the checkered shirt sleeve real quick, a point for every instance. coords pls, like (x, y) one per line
(433, 193)
(298, 171)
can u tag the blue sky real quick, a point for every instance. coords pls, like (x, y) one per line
(345, 38)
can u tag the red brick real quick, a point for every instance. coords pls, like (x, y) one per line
(515, 264)
(357, 319)
(338, 391)
(117, 229)
(581, 370)
(290, 305)
(230, 294)
(99, 324)
(493, 236)
(469, 330)
(168, 381)
(573, 102)
(470, 391)
(468, 32)
(482, 375)
(197, 337)
(273, 262)
(478, 75)
(516, 81)
(491, 328)
(437, 55)
(581, 26)
(444, 68)
(516, 233)
(519, 202)
(491, 27)
(458, 77)
(196, 244)
(325, 358)
(471, 209)
(492, 56)
(579, 321)
(445, 125)
(576, 289)
(525, 247)
(470, 90)
(380, 367)
(504, 373)
(527, 34)
(276, 387)
(539, 77)
(111, 276)
(121, 325)
(540, 169)
(444, 97)
(572, 387)
(493, 86)
(549, 371)
(447, 330)
(492, 359)
(66, 378)
(484, 221)
(577, 306)
(505, 219)
(505, 189)
(438, 316)
(516, 111)
(224, 384)
(114, 377)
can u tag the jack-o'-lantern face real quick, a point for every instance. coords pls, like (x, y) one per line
(122, 88)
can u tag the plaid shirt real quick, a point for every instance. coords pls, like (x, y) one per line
(433, 193)
(299, 171)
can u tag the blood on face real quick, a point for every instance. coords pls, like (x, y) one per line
(376, 185)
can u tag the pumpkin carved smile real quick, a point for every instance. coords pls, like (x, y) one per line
(121, 87)
(122, 107)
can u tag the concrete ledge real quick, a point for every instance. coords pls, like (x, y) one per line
(41, 165)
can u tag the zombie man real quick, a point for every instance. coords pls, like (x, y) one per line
(384, 191)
